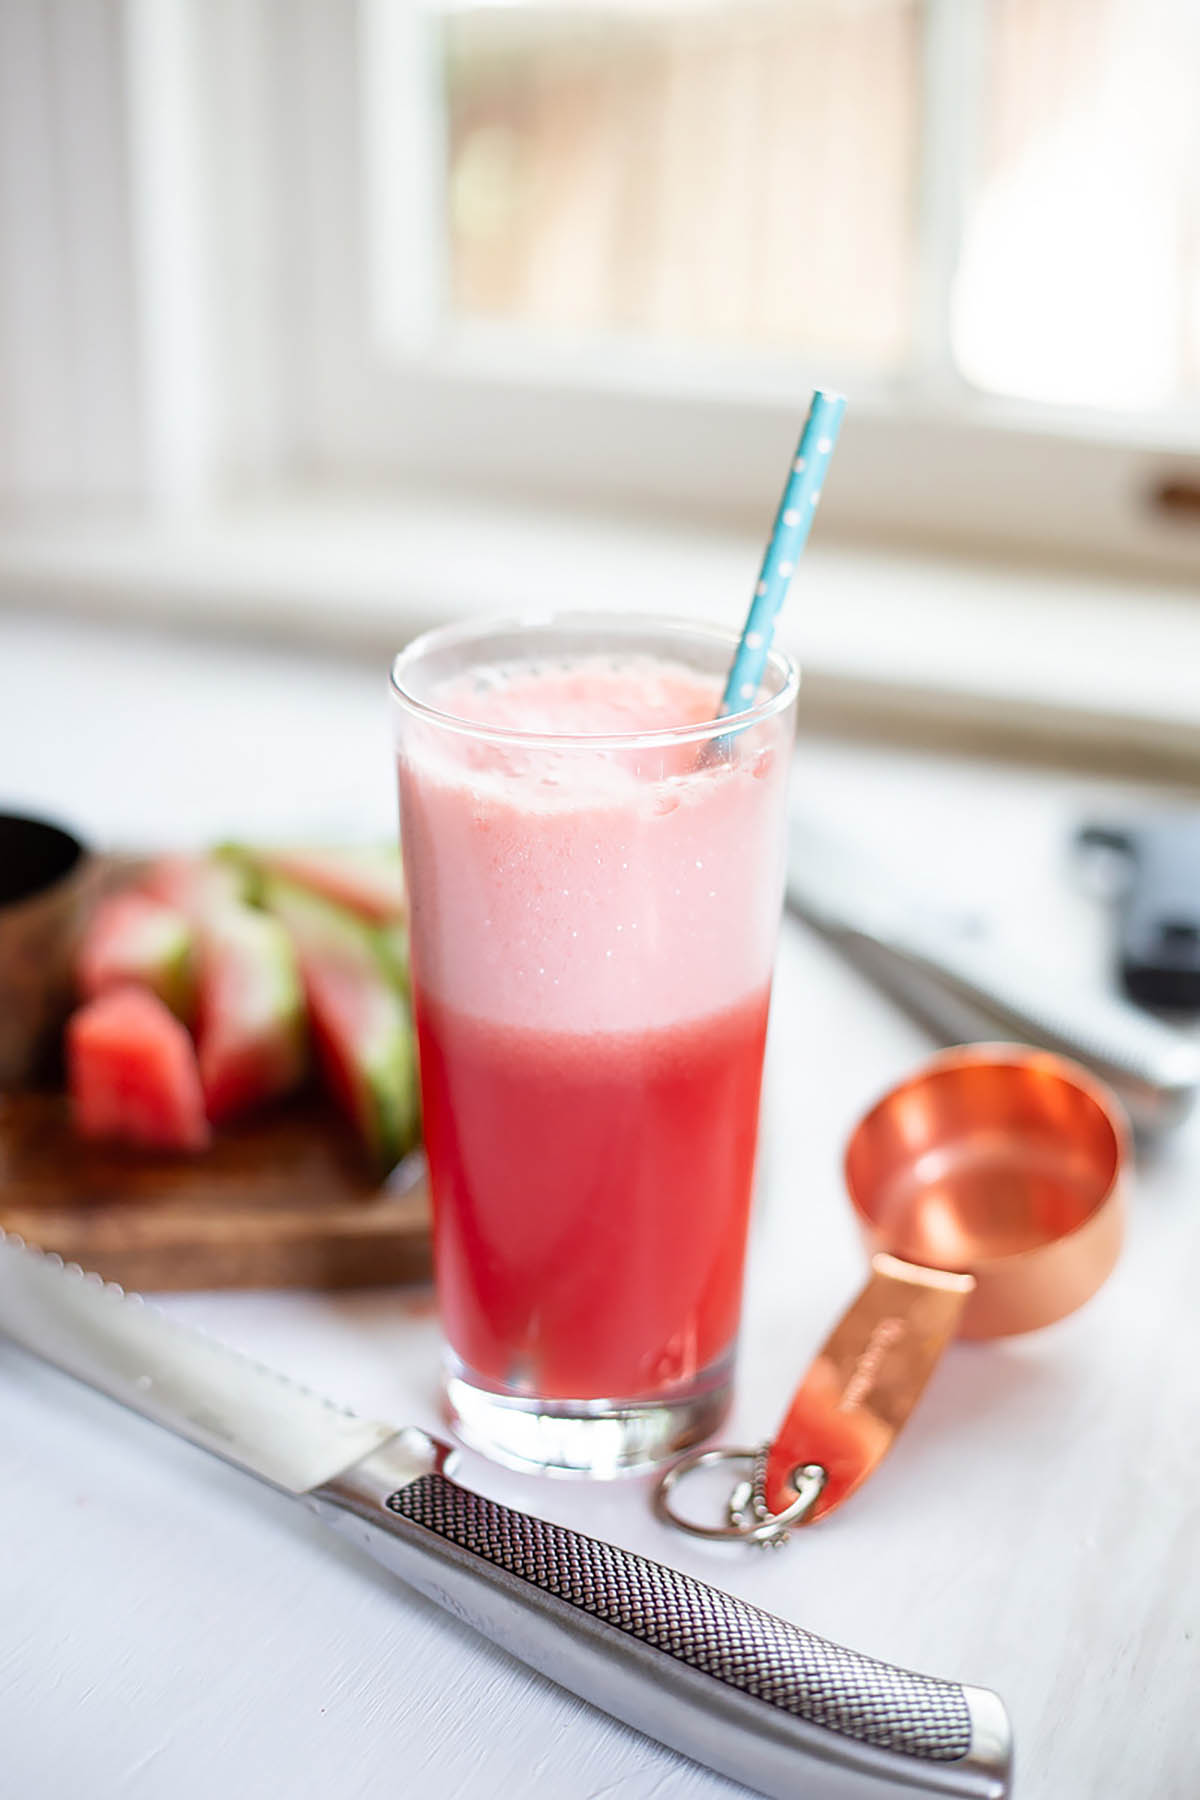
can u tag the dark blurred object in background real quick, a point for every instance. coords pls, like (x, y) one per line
(1156, 863)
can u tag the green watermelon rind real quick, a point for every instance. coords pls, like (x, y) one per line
(282, 1033)
(366, 880)
(176, 983)
(165, 963)
(171, 970)
(394, 951)
(384, 1066)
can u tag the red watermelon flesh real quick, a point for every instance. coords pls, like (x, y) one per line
(131, 938)
(251, 1033)
(132, 1073)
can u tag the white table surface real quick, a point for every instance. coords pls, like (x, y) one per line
(169, 1628)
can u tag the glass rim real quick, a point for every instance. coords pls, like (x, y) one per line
(684, 629)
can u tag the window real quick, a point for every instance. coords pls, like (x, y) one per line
(603, 249)
(801, 177)
(1079, 272)
(981, 217)
(721, 174)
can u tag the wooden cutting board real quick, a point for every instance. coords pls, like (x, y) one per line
(280, 1202)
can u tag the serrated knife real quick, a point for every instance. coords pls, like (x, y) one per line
(965, 985)
(738, 1690)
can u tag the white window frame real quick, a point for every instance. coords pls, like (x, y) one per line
(245, 231)
(927, 460)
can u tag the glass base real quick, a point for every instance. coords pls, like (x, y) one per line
(597, 1438)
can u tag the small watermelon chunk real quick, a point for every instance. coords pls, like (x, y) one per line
(359, 1017)
(251, 1033)
(132, 939)
(367, 879)
(196, 886)
(132, 1073)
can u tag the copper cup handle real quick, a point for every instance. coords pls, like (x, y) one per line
(864, 1382)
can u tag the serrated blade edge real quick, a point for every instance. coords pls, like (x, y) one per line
(191, 1383)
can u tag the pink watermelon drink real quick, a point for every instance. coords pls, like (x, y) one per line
(595, 873)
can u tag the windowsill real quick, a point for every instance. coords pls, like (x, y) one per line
(1100, 669)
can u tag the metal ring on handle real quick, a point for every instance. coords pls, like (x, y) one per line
(755, 1525)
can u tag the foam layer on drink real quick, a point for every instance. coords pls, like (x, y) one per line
(584, 885)
(584, 696)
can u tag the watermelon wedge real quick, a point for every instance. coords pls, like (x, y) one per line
(359, 1017)
(251, 1031)
(132, 1074)
(367, 879)
(196, 886)
(131, 939)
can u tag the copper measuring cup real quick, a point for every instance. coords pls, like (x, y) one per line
(987, 1188)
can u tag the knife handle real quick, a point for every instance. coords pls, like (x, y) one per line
(698, 1669)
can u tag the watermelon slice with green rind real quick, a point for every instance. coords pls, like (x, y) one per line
(197, 886)
(133, 939)
(358, 1014)
(367, 879)
(132, 1073)
(251, 1032)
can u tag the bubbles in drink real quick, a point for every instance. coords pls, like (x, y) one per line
(596, 861)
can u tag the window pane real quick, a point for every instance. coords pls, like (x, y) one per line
(1080, 273)
(737, 171)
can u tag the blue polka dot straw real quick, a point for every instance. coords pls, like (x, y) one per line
(789, 535)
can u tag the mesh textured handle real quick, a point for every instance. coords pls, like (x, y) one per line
(710, 1631)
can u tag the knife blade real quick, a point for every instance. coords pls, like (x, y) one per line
(723, 1682)
(965, 985)
(193, 1384)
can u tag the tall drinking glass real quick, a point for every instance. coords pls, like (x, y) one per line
(595, 870)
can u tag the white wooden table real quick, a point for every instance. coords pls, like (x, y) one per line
(167, 1627)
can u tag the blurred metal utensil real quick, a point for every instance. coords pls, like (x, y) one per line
(964, 986)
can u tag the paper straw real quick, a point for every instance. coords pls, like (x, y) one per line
(793, 522)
